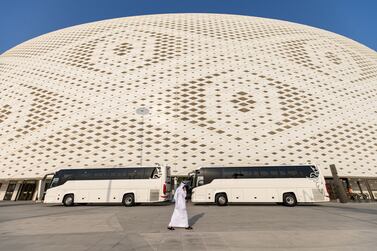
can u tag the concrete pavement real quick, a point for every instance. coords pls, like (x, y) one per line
(329, 226)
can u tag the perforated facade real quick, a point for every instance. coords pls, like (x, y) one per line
(220, 90)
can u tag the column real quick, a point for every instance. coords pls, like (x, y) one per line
(340, 192)
(3, 188)
(15, 192)
(40, 190)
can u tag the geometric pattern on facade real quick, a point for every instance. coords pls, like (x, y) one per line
(220, 90)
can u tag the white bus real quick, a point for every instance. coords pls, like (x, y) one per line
(110, 185)
(280, 184)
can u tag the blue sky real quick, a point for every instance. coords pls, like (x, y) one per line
(21, 20)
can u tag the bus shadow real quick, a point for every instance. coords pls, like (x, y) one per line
(309, 205)
(161, 204)
(112, 205)
(254, 204)
(195, 218)
(164, 204)
(245, 204)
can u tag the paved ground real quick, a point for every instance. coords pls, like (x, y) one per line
(330, 226)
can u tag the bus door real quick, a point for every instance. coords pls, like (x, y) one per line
(201, 192)
(9, 192)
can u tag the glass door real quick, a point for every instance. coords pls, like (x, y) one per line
(10, 190)
(27, 190)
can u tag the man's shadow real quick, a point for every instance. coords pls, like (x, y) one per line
(195, 218)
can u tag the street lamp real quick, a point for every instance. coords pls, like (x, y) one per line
(142, 111)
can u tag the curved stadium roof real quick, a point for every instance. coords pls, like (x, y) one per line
(220, 90)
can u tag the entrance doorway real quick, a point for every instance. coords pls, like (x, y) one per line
(359, 189)
(10, 190)
(27, 190)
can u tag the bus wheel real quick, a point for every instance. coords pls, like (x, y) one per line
(68, 200)
(128, 200)
(221, 199)
(289, 200)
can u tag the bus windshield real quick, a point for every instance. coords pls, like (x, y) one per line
(55, 181)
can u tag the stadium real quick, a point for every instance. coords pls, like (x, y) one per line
(187, 90)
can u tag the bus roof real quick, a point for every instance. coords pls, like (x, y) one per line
(285, 165)
(102, 168)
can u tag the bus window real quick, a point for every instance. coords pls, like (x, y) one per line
(54, 182)
(117, 174)
(304, 171)
(250, 172)
(211, 174)
(98, 174)
(199, 181)
(64, 178)
(133, 174)
(283, 172)
(274, 172)
(155, 174)
(230, 173)
(269, 172)
(291, 172)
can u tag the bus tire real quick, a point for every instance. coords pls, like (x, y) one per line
(289, 200)
(68, 200)
(128, 200)
(221, 199)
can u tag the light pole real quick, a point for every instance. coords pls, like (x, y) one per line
(142, 111)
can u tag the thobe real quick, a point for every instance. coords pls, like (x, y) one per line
(179, 217)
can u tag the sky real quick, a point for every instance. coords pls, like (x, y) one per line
(21, 20)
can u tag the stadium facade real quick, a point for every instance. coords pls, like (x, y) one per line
(187, 90)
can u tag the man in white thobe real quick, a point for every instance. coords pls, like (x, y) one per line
(179, 217)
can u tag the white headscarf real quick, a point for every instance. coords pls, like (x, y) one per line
(179, 191)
